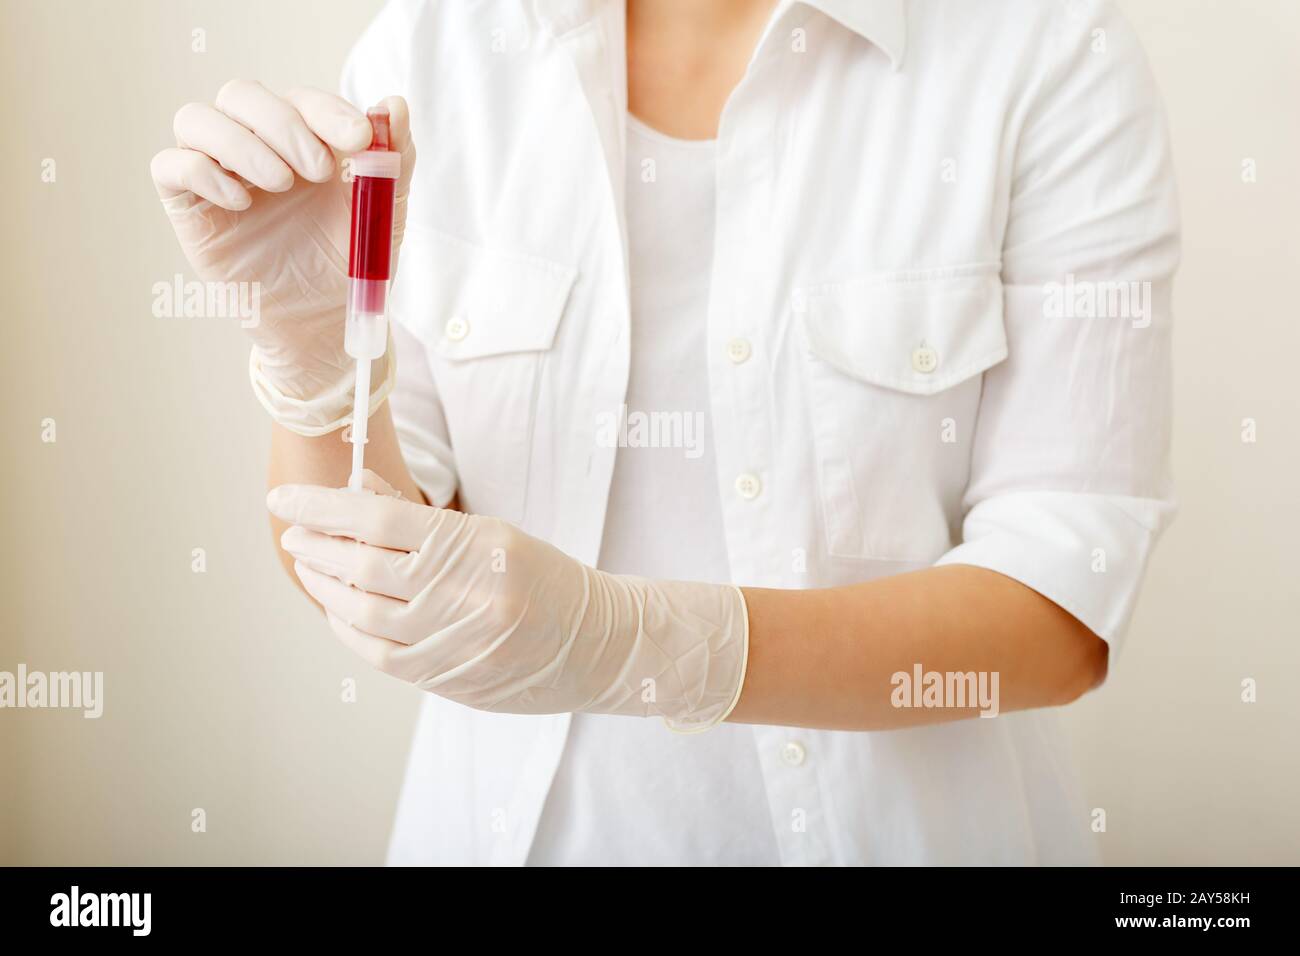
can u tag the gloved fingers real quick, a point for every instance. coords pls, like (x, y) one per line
(375, 651)
(279, 125)
(373, 481)
(201, 127)
(375, 614)
(331, 119)
(364, 566)
(383, 521)
(179, 171)
(399, 126)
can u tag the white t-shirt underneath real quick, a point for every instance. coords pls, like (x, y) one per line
(628, 790)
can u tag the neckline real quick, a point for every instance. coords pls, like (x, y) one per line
(649, 132)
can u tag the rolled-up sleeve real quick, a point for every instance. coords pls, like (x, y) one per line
(1070, 484)
(419, 421)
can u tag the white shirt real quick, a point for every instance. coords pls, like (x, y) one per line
(937, 331)
(626, 793)
(664, 518)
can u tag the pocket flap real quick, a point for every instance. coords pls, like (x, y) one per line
(466, 301)
(916, 332)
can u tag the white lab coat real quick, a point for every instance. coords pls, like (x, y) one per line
(913, 202)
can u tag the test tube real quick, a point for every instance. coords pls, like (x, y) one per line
(375, 173)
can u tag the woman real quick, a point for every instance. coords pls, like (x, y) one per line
(835, 335)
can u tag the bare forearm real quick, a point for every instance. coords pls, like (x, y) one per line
(826, 658)
(327, 460)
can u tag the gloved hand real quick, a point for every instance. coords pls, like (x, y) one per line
(473, 609)
(255, 193)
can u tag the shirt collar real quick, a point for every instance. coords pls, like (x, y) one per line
(565, 16)
(882, 22)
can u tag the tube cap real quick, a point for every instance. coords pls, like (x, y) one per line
(377, 164)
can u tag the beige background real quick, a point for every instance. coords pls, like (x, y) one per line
(223, 691)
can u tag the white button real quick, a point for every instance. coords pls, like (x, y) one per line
(793, 753)
(748, 486)
(925, 359)
(457, 328)
(738, 350)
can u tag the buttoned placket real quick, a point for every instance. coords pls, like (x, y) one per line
(739, 379)
(592, 39)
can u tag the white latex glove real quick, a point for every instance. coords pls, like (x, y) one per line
(474, 610)
(255, 192)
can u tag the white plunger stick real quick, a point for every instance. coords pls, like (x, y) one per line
(360, 422)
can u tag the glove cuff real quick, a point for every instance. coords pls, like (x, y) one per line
(323, 413)
(726, 666)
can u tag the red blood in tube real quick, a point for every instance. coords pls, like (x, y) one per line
(372, 225)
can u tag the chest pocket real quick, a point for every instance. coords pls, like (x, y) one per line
(487, 320)
(893, 369)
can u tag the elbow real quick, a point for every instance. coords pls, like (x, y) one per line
(1087, 662)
